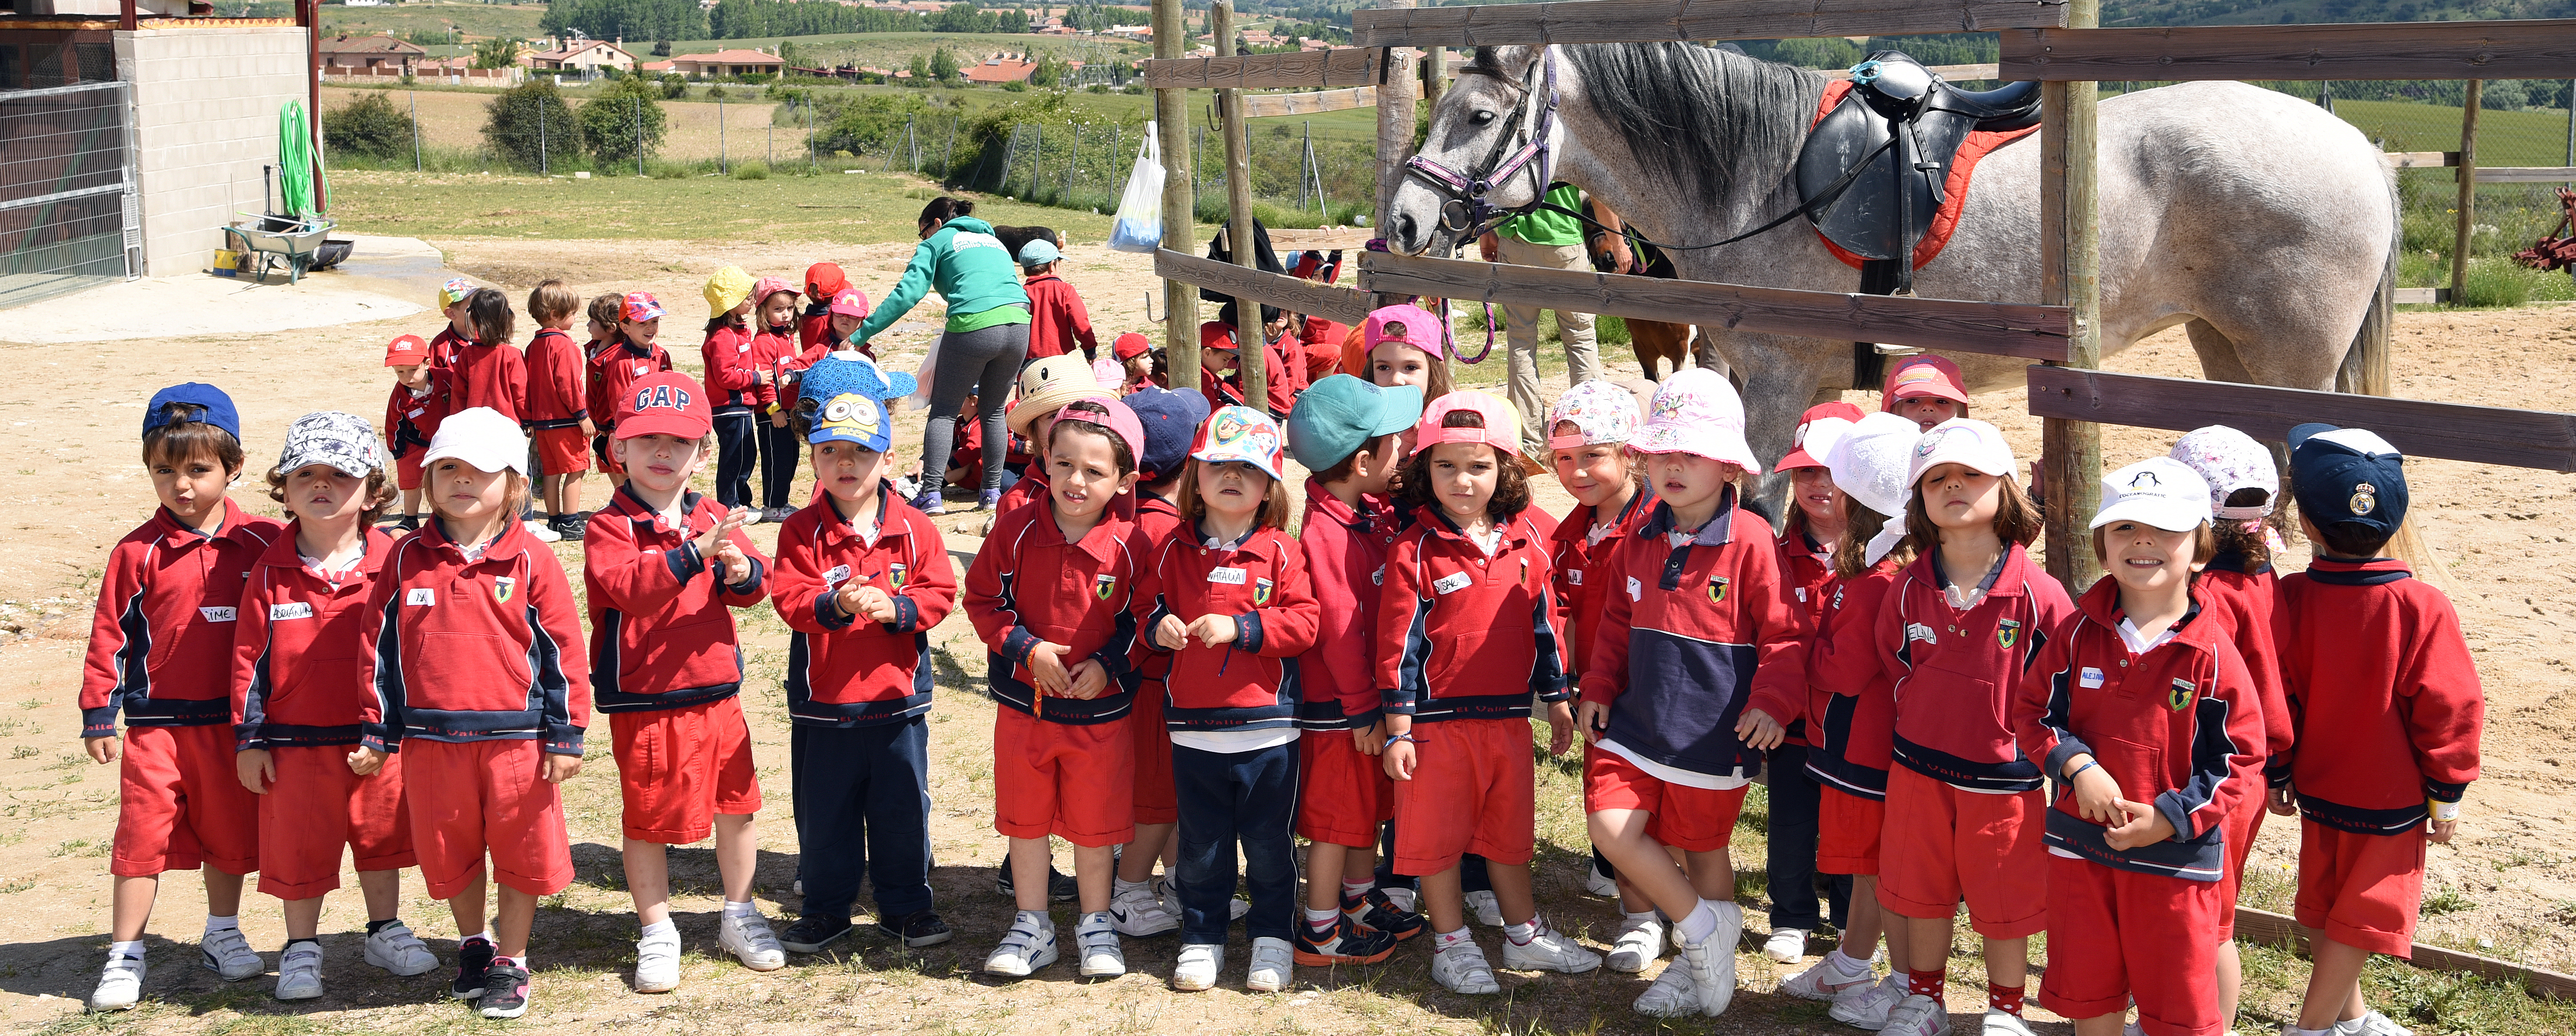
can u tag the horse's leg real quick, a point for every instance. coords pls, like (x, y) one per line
(1778, 375)
(2218, 358)
(1704, 352)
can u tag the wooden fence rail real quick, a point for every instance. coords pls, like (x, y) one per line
(1266, 106)
(1340, 66)
(2266, 928)
(1618, 21)
(2525, 49)
(2451, 431)
(1296, 295)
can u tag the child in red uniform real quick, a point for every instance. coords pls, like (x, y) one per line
(490, 372)
(1056, 318)
(158, 651)
(1051, 594)
(1926, 390)
(1045, 386)
(1170, 421)
(771, 348)
(861, 579)
(1403, 345)
(452, 298)
(734, 377)
(2241, 591)
(660, 567)
(1806, 550)
(1230, 582)
(629, 353)
(1851, 715)
(1964, 810)
(1222, 383)
(1468, 632)
(2144, 714)
(824, 282)
(1134, 354)
(558, 408)
(297, 702)
(418, 402)
(1346, 430)
(1697, 656)
(2388, 708)
(472, 647)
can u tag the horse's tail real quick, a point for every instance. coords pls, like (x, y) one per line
(2366, 364)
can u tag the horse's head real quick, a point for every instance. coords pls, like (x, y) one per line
(1487, 152)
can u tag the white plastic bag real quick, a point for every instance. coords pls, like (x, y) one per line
(1139, 224)
(924, 377)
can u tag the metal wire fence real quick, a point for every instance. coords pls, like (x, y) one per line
(67, 212)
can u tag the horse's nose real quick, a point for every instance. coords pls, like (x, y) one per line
(1406, 229)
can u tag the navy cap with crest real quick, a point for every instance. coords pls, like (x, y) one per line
(204, 403)
(1171, 421)
(2348, 476)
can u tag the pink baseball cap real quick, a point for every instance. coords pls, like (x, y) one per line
(642, 306)
(1502, 429)
(1119, 421)
(851, 302)
(768, 286)
(1409, 324)
(1697, 412)
(1802, 456)
(1917, 376)
(1237, 433)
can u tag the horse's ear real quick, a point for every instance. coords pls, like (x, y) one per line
(1510, 62)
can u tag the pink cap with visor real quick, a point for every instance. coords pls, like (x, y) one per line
(1119, 421)
(1501, 431)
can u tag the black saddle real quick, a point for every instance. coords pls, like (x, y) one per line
(1873, 170)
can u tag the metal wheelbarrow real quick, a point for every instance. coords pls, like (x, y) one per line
(275, 239)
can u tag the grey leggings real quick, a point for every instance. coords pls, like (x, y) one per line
(984, 363)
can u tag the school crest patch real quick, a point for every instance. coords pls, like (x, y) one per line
(1103, 586)
(2008, 633)
(2182, 695)
(1261, 592)
(503, 587)
(1717, 589)
(894, 575)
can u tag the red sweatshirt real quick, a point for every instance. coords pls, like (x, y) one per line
(1056, 319)
(556, 395)
(1808, 577)
(442, 349)
(2247, 606)
(473, 649)
(772, 349)
(1461, 635)
(1156, 520)
(1252, 682)
(295, 653)
(1851, 702)
(814, 326)
(1575, 557)
(1228, 391)
(1028, 586)
(2176, 727)
(494, 375)
(843, 672)
(1955, 671)
(2383, 691)
(1691, 636)
(1345, 551)
(412, 419)
(161, 642)
(616, 366)
(660, 637)
(732, 371)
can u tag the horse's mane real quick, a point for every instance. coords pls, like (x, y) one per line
(1696, 114)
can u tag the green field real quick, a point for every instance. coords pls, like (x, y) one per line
(512, 20)
(837, 208)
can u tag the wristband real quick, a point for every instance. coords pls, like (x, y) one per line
(2079, 771)
(2443, 812)
(1391, 739)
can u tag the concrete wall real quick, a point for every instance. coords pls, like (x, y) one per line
(205, 106)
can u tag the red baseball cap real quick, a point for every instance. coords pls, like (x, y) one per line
(1801, 457)
(1130, 346)
(406, 351)
(1215, 334)
(1926, 375)
(664, 403)
(824, 280)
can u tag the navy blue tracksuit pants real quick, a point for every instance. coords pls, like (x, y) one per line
(779, 452)
(737, 452)
(862, 802)
(1795, 798)
(1226, 798)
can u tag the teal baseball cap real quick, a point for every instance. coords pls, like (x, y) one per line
(1339, 414)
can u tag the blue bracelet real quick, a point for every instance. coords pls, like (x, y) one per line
(2079, 771)
(1391, 739)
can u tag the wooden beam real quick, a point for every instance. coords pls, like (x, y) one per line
(1340, 66)
(1180, 198)
(2070, 243)
(1954, 73)
(2421, 296)
(1269, 106)
(2465, 209)
(2423, 159)
(1328, 238)
(1294, 294)
(2263, 926)
(1618, 21)
(1251, 339)
(1991, 328)
(2525, 49)
(2450, 431)
(2526, 174)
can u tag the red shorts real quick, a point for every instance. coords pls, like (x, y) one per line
(1155, 801)
(1346, 793)
(407, 467)
(2242, 827)
(2116, 934)
(600, 451)
(477, 797)
(1473, 791)
(562, 451)
(678, 768)
(1074, 782)
(2361, 890)
(181, 804)
(1942, 845)
(1847, 832)
(1693, 820)
(315, 807)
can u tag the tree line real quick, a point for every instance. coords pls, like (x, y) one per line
(668, 20)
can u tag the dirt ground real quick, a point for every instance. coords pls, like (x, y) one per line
(73, 488)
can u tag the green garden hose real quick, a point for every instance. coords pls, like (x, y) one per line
(298, 168)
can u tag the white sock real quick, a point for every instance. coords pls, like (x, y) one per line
(733, 909)
(125, 949)
(216, 924)
(1122, 886)
(1643, 915)
(1845, 965)
(1321, 920)
(1444, 940)
(664, 930)
(486, 936)
(1701, 924)
(1356, 890)
(1045, 921)
(1522, 933)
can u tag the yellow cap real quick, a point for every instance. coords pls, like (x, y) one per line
(726, 290)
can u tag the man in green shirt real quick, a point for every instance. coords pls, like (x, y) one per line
(1552, 240)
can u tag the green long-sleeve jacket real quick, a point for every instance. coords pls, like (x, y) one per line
(967, 266)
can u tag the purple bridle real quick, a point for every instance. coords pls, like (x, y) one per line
(1465, 212)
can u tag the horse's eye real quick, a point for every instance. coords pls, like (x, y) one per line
(1482, 117)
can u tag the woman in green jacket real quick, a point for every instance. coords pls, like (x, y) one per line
(986, 338)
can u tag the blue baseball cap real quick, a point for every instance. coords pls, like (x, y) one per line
(1039, 252)
(209, 405)
(1171, 420)
(836, 374)
(2348, 476)
(1339, 414)
(853, 418)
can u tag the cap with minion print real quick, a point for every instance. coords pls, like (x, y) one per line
(852, 418)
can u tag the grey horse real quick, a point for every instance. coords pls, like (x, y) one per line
(2261, 223)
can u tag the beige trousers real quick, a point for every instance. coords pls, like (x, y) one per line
(1582, 352)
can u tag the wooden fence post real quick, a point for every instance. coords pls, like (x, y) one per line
(1180, 203)
(2070, 275)
(1250, 341)
(2468, 204)
(1395, 95)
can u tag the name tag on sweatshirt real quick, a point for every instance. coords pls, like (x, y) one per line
(1574, 577)
(1452, 583)
(218, 614)
(1227, 576)
(291, 610)
(421, 595)
(1917, 631)
(2090, 677)
(1636, 590)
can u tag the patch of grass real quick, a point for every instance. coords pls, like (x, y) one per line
(751, 171)
(24, 752)
(864, 209)
(79, 847)
(2447, 900)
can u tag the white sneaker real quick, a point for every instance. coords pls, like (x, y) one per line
(299, 972)
(1405, 899)
(1234, 908)
(1548, 951)
(2005, 1023)
(800, 886)
(119, 985)
(1917, 1016)
(1095, 940)
(1786, 945)
(1671, 995)
(1639, 944)
(539, 530)
(1197, 968)
(2373, 1024)
(1866, 1006)
(1711, 967)
(1270, 968)
(1028, 946)
(226, 953)
(750, 941)
(1140, 913)
(1824, 981)
(1597, 883)
(657, 964)
(395, 949)
(1488, 911)
(1462, 969)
